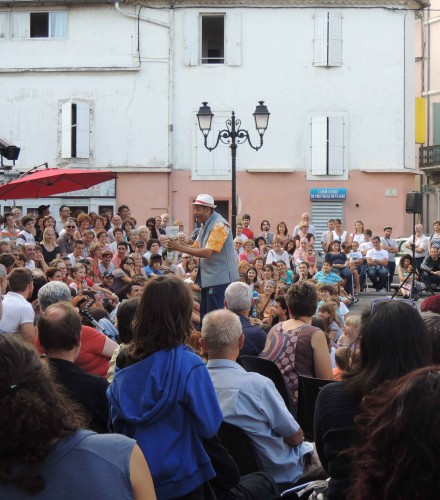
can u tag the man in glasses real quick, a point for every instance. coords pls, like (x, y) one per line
(65, 242)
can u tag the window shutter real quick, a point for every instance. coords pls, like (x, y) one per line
(66, 130)
(336, 145)
(233, 38)
(4, 17)
(20, 25)
(436, 124)
(82, 130)
(320, 42)
(191, 38)
(334, 38)
(319, 145)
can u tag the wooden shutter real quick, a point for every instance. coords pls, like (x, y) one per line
(233, 38)
(82, 130)
(191, 36)
(66, 130)
(319, 145)
(335, 145)
(334, 39)
(320, 41)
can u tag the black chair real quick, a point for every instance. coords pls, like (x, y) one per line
(241, 448)
(308, 390)
(270, 370)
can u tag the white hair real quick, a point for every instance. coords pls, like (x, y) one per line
(238, 297)
(220, 329)
(52, 292)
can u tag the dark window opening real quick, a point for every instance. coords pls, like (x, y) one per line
(39, 24)
(213, 39)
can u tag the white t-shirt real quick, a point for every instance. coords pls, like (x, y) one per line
(366, 245)
(354, 256)
(16, 312)
(377, 254)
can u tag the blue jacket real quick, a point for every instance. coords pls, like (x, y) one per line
(168, 404)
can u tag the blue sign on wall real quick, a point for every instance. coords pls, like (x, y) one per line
(328, 193)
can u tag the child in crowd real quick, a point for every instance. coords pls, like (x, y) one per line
(367, 244)
(341, 360)
(326, 275)
(340, 308)
(350, 331)
(154, 267)
(327, 313)
(355, 261)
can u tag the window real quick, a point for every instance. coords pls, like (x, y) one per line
(39, 24)
(75, 129)
(328, 39)
(328, 145)
(212, 38)
(214, 164)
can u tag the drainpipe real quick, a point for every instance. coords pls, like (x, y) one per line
(171, 111)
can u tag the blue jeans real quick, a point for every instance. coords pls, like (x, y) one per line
(345, 273)
(212, 298)
(378, 276)
(391, 268)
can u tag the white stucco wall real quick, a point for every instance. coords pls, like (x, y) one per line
(277, 66)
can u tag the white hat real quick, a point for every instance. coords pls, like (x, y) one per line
(206, 200)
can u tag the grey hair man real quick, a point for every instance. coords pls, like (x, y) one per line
(250, 401)
(238, 299)
(53, 292)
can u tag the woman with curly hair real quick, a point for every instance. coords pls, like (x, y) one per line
(164, 396)
(400, 457)
(45, 451)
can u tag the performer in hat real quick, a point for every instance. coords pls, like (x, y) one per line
(214, 246)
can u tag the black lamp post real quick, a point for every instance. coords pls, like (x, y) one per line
(233, 135)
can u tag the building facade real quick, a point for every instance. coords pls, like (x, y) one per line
(118, 86)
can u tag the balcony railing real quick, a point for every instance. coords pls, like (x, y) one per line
(429, 157)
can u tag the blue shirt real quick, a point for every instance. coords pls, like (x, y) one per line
(331, 278)
(254, 338)
(252, 402)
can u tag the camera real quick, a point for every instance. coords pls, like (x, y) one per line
(9, 151)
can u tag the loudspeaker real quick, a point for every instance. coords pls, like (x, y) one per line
(414, 203)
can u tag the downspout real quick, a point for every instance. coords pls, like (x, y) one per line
(171, 111)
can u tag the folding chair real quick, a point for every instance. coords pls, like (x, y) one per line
(241, 448)
(270, 370)
(308, 390)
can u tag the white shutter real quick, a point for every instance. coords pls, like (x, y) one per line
(20, 25)
(192, 29)
(319, 145)
(66, 130)
(4, 18)
(212, 163)
(334, 38)
(233, 38)
(321, 37)
(82, 130)
(336, 145)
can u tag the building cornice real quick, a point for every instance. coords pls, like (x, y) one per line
(211, 4)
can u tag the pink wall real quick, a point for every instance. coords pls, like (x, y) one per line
(272, 196)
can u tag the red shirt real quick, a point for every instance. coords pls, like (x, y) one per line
(247, 232)
(90, 357)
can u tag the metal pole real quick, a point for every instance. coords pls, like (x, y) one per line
(234, 174)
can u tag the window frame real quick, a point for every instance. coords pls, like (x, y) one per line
(28, 14)
(76, 129)
(205, 61)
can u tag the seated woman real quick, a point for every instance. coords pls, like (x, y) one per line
(393, 341)
(338, 260)
(164, 396)
(294, 345)
(46, 451)
(400, 424)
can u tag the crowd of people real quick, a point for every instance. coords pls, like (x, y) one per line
(120, 345)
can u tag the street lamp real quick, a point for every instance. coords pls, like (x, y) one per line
(233, 135)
